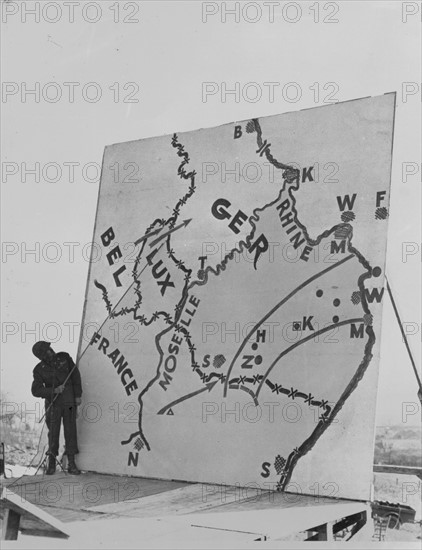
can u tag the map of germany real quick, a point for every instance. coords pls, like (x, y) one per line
(248, 292)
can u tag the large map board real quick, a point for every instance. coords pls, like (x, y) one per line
(231, 328)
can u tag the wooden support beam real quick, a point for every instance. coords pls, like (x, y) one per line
(321, 532)
(19, 514)
(11, 524)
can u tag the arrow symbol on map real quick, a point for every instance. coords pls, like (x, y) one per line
(158, 239)
(147, 236)
(209, 386)
(152, 233)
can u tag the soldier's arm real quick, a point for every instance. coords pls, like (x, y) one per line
(38, 389)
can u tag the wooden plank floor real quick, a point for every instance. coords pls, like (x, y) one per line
(184, 500)
(96, 496)
(202, 498)
(173, 505)
(70, 498)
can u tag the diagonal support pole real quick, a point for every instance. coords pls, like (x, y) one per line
(405, 339)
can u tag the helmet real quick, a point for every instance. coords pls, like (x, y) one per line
(39, 349)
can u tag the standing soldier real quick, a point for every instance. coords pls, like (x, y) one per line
(58, 381)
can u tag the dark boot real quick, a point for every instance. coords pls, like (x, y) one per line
(72, 468)
(51, 468)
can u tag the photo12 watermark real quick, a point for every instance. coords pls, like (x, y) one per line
(69, 92)
(30, 12)
(270, 92)
(69, 171)
(271, 12)
(71, 491)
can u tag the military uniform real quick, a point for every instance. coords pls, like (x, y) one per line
(47, 376)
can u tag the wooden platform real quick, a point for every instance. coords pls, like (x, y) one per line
(159, 508)
(71, 498)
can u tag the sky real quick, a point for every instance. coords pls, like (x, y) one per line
(108, 72)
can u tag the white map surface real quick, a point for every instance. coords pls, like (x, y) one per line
(233, 306)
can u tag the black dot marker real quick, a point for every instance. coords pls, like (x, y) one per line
(376, 272)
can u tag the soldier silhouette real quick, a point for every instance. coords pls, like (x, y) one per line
(58, 381)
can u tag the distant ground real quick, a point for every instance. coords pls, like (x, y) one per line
(24, 442)
(399, 445)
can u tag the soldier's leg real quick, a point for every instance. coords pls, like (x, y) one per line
(53, 421)
(69, 425)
